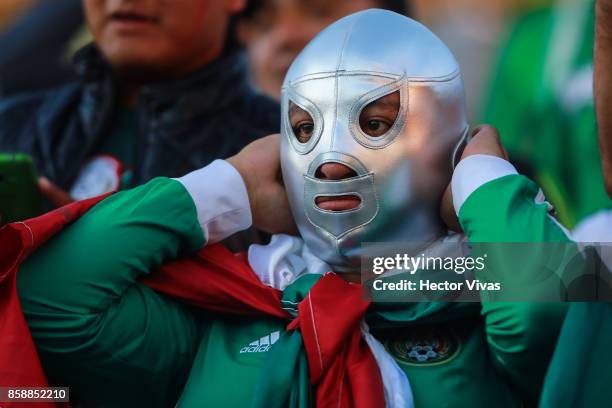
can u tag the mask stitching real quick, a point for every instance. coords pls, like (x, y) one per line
(398, 125)
(335, 157)
(330, 74)
(465, 138)
(337, 80)
(389, 75)
(371, 177)
(310, 107)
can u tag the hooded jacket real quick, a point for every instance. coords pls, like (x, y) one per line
(183, 124)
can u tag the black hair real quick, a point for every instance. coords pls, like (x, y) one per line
(399, 6)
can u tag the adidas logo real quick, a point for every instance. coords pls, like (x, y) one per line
(261, 345)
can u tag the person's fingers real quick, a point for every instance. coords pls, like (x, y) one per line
(447, 211)
(485, 140)
(53, 193)
(259, 166)
(488, 133)
(269, 155)
(275, 216)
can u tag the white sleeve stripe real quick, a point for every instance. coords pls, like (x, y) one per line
(541, 199)
(475, 171)
(221, 200)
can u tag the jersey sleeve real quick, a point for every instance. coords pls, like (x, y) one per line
(505, 216)
(110, 338)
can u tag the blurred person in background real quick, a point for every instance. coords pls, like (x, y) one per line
(35, 47)
(579, 373)
(490, 354)
(275, 31)
(163, 90)
(541, 101)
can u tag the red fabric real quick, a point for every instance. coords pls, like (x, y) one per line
(19, 363)
(229, 286)
(340, 362)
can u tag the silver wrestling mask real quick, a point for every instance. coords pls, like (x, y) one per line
(397, 177)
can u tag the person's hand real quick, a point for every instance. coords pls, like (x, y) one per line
(259, 165)
(53, 193)
(485, 140)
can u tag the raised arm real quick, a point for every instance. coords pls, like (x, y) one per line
(98, 330)
(496, 205)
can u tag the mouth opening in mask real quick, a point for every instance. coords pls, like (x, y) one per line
(338, 203)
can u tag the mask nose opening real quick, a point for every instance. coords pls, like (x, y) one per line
(333, 171)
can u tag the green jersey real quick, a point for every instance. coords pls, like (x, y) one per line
(541, 101)
(116, 342)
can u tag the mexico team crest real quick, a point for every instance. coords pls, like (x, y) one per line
(424, 345)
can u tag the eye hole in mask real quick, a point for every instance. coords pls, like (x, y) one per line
(302, 123)
(377, 117)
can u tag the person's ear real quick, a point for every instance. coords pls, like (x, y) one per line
(234, 6)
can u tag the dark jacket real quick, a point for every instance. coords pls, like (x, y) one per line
(183, 124)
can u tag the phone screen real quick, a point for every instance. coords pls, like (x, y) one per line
(20, 197)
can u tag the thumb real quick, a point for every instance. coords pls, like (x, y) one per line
(485, 140)
(53, 193)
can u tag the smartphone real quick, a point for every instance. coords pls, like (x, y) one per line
(20, 197)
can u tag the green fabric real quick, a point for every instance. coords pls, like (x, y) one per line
(119, 343)
(113, 340)
(287, 383)
(579, 374)
(121, 143)
(513, 216)
(542, 122)
(561, 145)
(221, 374)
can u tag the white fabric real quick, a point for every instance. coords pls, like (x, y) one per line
(398, 393)
(475, 171)
(222, 205)
(597, 229)
(221, 200)
(541, 199)
(285, 259)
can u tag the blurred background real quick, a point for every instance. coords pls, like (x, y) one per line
(473, 29)
(527, 67)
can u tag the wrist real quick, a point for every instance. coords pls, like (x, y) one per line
(247, 174)
(220, 195)
(474, 171)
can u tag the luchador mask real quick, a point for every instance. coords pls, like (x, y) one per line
(373, 115)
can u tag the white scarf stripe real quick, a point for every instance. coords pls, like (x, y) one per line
(285, 259)
(398, 393)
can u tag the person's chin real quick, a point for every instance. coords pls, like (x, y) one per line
(136, 63)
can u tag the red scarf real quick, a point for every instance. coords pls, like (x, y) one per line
(340, 363)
